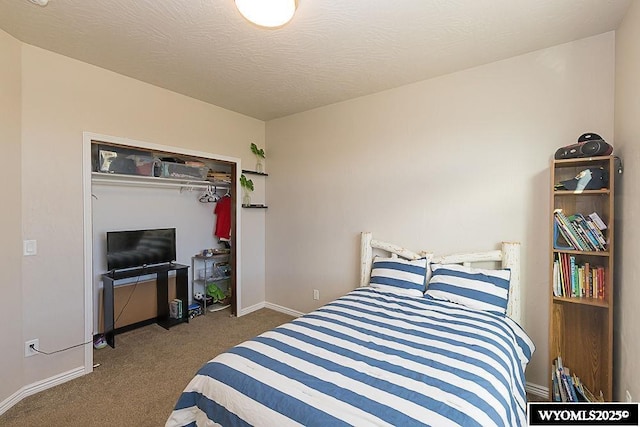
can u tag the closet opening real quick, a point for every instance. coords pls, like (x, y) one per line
(133, 186)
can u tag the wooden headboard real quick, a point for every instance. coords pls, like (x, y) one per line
(508, 257)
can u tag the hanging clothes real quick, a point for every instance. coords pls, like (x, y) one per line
(223, 218)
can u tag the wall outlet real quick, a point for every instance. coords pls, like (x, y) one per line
(316, 294)
(29, 247)
(28, 351)
(628, 396)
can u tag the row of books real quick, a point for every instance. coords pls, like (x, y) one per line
(575, 280)
(567, 387)
(583, 233)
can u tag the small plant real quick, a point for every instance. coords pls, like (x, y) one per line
(247, 184)
(259, 152)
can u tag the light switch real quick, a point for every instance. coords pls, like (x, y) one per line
(30, 247)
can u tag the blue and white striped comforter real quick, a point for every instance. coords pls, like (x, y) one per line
(368, 358)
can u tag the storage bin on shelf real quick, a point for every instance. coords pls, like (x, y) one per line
(182, 171)
(123, 161)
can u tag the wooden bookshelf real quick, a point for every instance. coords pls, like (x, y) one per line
(581, 327)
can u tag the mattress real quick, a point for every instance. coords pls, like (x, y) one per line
(368, 358)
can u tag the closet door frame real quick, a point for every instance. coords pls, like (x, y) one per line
(90, 137)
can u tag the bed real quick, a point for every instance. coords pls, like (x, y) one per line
(425, 340)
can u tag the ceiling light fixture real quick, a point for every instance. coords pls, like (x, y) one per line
(40, 2)
(267, 13)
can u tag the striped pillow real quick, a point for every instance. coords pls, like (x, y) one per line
(475, 288)
(399, 275)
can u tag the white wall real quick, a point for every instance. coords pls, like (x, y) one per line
(61, 99)
(11, 336)
(627, 145)
(253, 226)
(459, 162)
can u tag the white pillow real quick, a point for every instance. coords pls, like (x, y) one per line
(476, 288)
(400, 275)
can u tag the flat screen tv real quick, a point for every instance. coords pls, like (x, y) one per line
(137, 248)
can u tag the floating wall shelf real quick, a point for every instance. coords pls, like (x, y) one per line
(254, 172)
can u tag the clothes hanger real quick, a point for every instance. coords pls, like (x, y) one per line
(207, 196)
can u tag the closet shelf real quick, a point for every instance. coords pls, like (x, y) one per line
(151, 181)
(254, 172)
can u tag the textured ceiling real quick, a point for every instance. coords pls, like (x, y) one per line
(331, 51)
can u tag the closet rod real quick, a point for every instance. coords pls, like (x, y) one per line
(134, 183)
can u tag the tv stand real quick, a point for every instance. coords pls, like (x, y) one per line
(162, 291)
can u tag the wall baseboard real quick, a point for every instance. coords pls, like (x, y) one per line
(284, 310)
(537, 390)
(270, 306)
(39, 386)
(251, 309)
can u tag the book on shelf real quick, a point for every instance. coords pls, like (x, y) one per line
(596, 231)
(599, 222)
(565, 390)
(574, 279)
(561, 239)
(581, 225)
(570, 385)
(574, 285)
(567, 230)
(556, 279)
(567, 386)
(555, 389)
(578, 232)
(175, 309)
(592, 231)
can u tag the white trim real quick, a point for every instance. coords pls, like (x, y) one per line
(251, 309)
(87, 138)
(284, 310)
(39, 386)
(87, 253)
(537, 390)
(270, 306)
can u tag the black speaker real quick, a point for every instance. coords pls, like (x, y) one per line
(594, 147)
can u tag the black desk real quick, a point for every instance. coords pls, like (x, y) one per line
(162, 292)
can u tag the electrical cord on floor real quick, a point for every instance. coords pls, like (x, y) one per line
(33, 347)
(48, 353)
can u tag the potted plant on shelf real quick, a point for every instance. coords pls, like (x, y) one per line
(247, 187)
(259, 153)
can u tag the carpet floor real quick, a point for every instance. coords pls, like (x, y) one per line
(138, 382)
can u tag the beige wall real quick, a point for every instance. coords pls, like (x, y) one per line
(459, 162)
(62, 98)
(454, 163)
(12, 353)
(627, 146)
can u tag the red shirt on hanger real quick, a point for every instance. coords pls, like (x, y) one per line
(223, 218)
